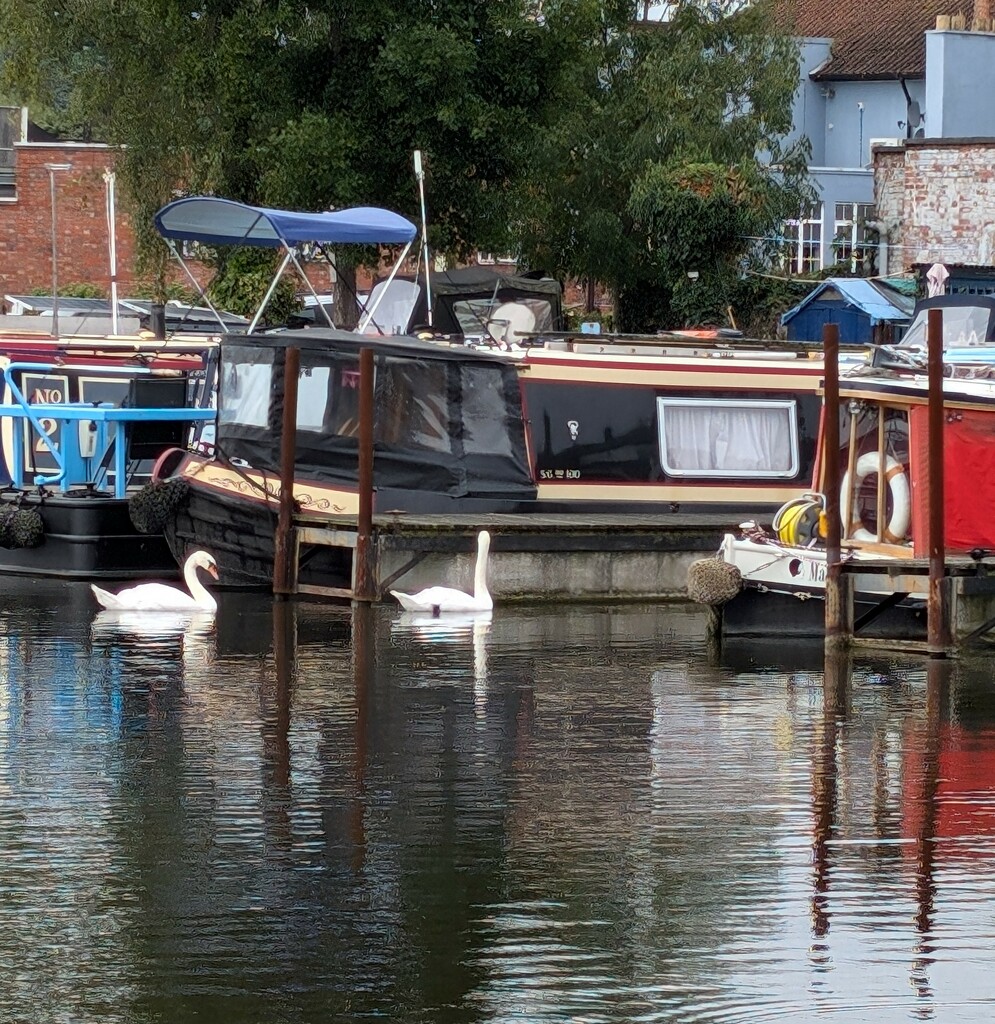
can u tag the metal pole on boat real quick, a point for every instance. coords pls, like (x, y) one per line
(836, 617)
(52, 168)
(112, 244)
(938, 625)
(420, 175)
(284, 569)
(363, 585)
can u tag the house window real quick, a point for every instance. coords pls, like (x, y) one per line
(803, 242)
(742, 438)
(852, 239)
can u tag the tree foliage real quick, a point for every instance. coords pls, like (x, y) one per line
(665, 160)
(556, 128)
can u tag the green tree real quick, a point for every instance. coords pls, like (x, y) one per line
(557, 128)
(309, 105)
(663, 159)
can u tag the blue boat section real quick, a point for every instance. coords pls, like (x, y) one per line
(93, 439)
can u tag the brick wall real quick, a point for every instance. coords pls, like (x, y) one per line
(889, 203)
(81, 222)
(944, 193)
(82, 242)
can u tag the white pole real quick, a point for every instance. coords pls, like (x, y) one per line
(420, 175)
(52, 168)
(112, 245)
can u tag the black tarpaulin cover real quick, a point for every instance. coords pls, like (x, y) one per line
(447, 420)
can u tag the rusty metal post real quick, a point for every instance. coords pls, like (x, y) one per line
(938, 626)
(837, 620)
(364, 588)
(284, 571)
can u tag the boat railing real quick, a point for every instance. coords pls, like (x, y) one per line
(92, 438)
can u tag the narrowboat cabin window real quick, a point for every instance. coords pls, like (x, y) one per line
(485, 413)
(245, 393)
(476, 315)
(411, 405)
(312, 397)
(708, 437)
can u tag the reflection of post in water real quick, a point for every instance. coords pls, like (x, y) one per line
(363, 660)
(825, 784)
(938, 671)
(275, 707)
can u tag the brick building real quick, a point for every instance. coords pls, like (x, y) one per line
(82, 230)
(936, 203)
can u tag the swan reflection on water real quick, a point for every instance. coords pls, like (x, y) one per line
(452, 628)
(109, 623)
(189, 635)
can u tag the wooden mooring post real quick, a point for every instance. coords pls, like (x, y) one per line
(938, 637)
(284, 557)
(364, 584)
(839, 602)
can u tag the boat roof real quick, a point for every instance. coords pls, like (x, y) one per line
(974, 390)
(216, 221)
(474, 279)
(327, 339)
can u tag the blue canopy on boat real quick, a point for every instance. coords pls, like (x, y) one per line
(225, 222)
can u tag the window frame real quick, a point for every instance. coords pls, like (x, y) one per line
(795, 234)
(855, 226)
(789, 405)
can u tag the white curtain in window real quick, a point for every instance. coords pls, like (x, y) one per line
(702, 438)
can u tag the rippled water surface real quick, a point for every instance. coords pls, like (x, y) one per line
(560, 814)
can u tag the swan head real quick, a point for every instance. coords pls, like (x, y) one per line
(483, 540)
(203, 560)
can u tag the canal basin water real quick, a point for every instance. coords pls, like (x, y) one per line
(305, 813)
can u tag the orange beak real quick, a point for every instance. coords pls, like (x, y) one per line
(213, 570)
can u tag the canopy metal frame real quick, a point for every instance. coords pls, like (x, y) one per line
(214, 221)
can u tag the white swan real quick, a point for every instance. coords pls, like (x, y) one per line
(445, 599)
(157, 597)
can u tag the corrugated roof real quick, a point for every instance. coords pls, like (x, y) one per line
(864, 295)
(881, 40)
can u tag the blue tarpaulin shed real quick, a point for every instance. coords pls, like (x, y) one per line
(855, 304)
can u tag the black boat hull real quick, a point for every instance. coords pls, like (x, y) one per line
(87, 537)
(753, 613)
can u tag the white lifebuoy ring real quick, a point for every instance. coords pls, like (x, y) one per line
(898, 485)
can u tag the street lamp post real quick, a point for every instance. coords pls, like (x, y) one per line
(52, 168)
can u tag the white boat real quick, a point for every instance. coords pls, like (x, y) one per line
(883, 504)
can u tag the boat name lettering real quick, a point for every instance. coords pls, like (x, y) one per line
(46, 396)
(815, 571)
(559, 474)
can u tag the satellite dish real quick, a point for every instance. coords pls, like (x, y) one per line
(914, 114)
(508, 321)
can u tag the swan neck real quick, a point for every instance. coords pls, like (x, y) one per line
(201, 595)
(480, 573)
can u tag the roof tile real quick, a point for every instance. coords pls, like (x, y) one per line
(881, 40)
